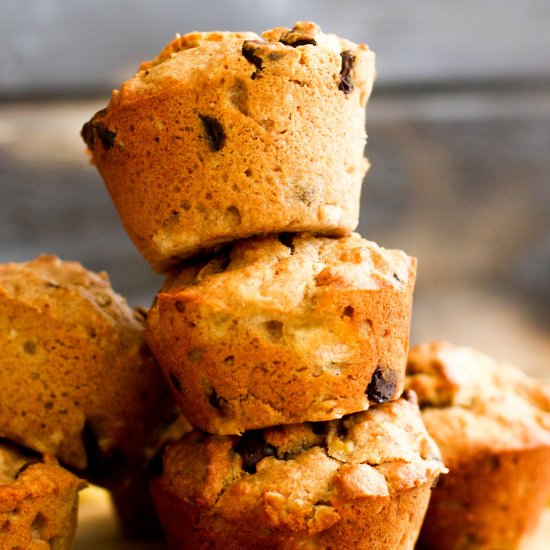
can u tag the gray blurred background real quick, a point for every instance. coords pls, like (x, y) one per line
(459, 140)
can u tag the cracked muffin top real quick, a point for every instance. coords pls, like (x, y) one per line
(299, 473)
(289, 272)
(76, 377)
(266, 52)
(471, 403)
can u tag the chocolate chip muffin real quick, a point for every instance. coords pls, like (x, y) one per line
(492, 424)
(361, 482)
(38, 500)
(228, 135)
(76, 377)
(284, 329)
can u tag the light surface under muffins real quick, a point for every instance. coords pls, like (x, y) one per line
(77, 380)
(361, 482)
(225, 136)
(280, 330)
(492, 424)
(38, 501)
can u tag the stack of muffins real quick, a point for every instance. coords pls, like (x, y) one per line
(236, 164)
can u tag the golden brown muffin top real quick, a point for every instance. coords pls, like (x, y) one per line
(68, 293)
(471, 403)
(278, 49)
(289, 272)
(299, 472)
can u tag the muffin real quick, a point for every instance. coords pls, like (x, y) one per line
(228, 135)
(76, 378)
(38, 501)
(284, 329)
(361, 482)
(492, 424)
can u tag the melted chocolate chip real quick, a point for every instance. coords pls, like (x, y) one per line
(348, 59)
(214, 131)
(253, 448)
(381, 386)
(106, 136)
(180, 306)
(88, 130)
(249, 52)
(396, 277)
(295, 42)
(288, 240)
(88, 134)
(175, 381)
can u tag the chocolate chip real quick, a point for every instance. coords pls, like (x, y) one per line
(88, 130)
(381, 386)
(318, 428)
(396, 277)
(253, 448)
(288, 240)
(214, 131)
(348, 311)
(180, 306)
(289, 40)
(88, 134)
(106, 136)
(348, 59)
(249, 49)
(215, 400)
(175, 381)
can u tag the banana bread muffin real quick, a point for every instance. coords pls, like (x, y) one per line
(228, 135)
(284, 329)
(76, 377)
(492, 424)
(361, 482)
(38, 501)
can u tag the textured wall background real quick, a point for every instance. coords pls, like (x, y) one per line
(78, 46)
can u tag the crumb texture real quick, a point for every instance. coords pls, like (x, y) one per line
(282, 329)
(77, 379)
